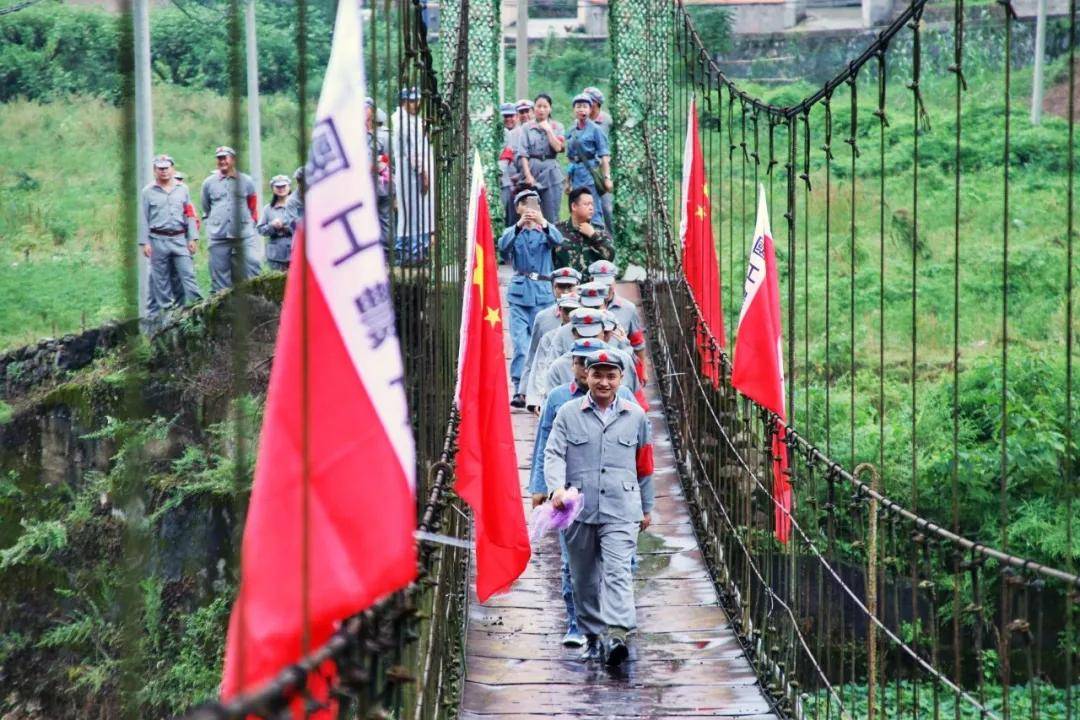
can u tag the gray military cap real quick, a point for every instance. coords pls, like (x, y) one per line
(604, 357)
(565, 276)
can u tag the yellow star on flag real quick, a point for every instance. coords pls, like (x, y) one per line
(700, 212)
(705, 189)
(492, 316)
(478, 269)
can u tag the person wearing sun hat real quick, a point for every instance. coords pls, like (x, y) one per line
(600, 445)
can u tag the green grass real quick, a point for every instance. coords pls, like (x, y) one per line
(62, 261)
(826, 308)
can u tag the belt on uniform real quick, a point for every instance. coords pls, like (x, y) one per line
(541, 157)
(533, 276)
(167, 233)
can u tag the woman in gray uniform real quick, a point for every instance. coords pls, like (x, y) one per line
(539, 143)
(276, 225)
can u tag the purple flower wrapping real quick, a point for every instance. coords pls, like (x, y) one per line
(546, 517)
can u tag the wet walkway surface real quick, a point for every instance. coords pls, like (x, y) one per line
(685, 660)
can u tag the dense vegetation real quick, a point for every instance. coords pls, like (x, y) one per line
(50, 53)
(62, 264)
(1036, 291)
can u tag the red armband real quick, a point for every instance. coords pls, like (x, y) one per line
(644, 461)
(636, 338)
(640, 397)
(189, 211)
(507, 154)
(253, 206)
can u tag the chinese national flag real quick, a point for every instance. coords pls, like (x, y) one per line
(758, 369)
(330, 523)
(487, 468)
(699, 250)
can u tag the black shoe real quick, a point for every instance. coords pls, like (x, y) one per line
(518, 401)
(593, 649)
(617, 652)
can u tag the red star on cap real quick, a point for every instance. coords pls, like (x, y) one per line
(565, 273)
(587, 319)
(602, 357)
(587, 343)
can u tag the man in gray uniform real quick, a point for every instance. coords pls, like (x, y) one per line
(171, 239)
(230, 206)
(600, 445)
(603, 119)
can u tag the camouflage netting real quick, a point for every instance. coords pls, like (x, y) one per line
(641, 32)
(483, 27)
(640, 45)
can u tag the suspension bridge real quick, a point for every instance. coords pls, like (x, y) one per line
(889, 600)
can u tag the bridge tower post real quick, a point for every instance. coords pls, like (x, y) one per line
(641, 32)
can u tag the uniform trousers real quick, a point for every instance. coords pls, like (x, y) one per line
(222, 253)
(521, 324)
(600, 569)
(172, 273)
(567, 584)
(509, 208)
(607, 204)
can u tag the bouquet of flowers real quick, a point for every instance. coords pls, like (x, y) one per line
(545, 517)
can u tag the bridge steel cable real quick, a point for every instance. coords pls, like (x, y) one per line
(872, 594)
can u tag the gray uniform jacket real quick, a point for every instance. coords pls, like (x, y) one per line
(609, 463)
(220, 194)
(533, 143)
(168, 210)
(279, 240)
(546, 319)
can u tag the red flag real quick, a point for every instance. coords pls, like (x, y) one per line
(758, 370)
(336, 464)
(699, 249)
(487, 468)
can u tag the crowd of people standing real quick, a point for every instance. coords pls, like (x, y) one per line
(239, 238)
(578, 361)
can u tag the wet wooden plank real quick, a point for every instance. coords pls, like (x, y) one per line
(646, 673)
(650, 619)
(608, 696)
(646, 646)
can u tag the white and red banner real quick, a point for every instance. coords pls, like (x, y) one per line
(699, 259)
(758, 368)
(486, 463)
(330, 524)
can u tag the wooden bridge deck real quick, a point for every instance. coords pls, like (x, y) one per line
(685, 660)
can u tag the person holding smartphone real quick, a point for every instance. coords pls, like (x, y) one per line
(526, 246)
